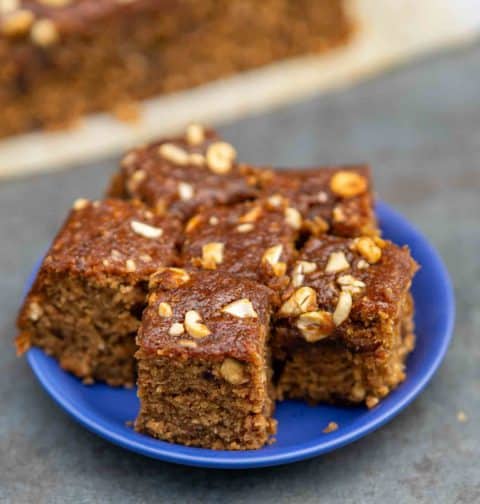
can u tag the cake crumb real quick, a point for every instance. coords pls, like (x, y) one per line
(331, 427)
(462, 417)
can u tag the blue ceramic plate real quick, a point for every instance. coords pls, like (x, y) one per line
(106, 410)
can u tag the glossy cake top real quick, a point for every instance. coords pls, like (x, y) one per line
(205, 313)
(254, 240)
(337, 199)
(113, 237)
(183, 174)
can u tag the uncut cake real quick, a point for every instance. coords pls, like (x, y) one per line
(221, 287)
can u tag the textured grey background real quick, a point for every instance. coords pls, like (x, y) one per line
(420, 128)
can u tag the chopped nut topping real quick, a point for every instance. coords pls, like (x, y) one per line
(220, 157)
(338, 215)
(242, 308)
(105, 262)
(130, 265)
(165, 310)
(276, 201)
(336, 262)
(135, 180)
(146, 258)
(192, 223)
(7, 6)
(17, 23)
(176, 329)
(322, 197)
(196, 159)
(80, 203)
(317, 226)
(44, 33)
(245, 228)
(194, 326)
(251, 216)
(35, 311)
(348, 184)
(297, 275)
(315, 325)
(173, 153)
(115, 254)
(298, 272)
(185, 191)
(272, 256)
(233, 371)
(331, 427)
(188, 343)
(307, 266)
(350, 284)
(344, 305)
(212, 254)
(368, 249)
(293, 217)
(175, 278)
(301, 301)
(350, 280)
(213, 221)
(195, 134)
(146, 230)
(362, 264)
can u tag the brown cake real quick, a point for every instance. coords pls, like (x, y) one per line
(183, 174)
(204, 375)
(86, 303)
(61, 59)
(345, 325)
(227, 255)
(254, 240)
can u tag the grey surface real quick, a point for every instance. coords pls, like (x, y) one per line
(420, 128)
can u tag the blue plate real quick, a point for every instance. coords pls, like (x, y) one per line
(106, 410)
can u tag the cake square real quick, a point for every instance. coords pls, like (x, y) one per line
(183, 174)
(204, 376)
(337, 199)
(254, 240)
(345, 325)
(85, 305)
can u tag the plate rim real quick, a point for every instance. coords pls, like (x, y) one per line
(192, 456)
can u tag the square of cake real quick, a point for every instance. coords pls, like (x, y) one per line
(204, 375)
(86, 303)
(182, 174)
(346, 323)
(254, 240)
(338, 200)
